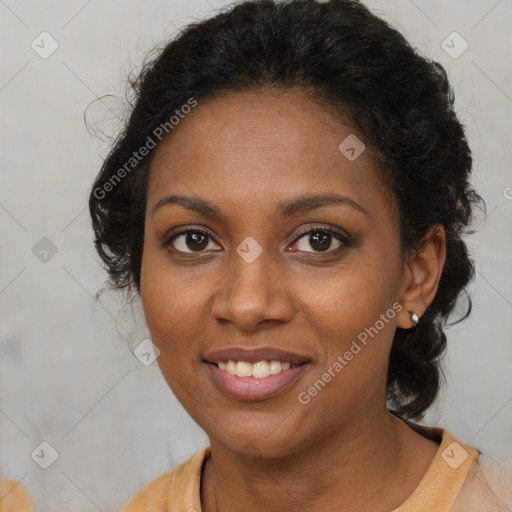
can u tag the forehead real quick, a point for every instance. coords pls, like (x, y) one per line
(262, 147)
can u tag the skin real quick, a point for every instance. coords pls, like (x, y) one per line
(246, 152)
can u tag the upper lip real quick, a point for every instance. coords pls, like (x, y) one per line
(254, 355)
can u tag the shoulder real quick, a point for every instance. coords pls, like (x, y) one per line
(14, 497)
(153, 497)
(488, 486)
(177, 485)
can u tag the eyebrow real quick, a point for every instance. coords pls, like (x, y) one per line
(298, 204)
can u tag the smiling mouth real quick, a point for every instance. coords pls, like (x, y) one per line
(260, 370)
(252, 382)
(257, 373)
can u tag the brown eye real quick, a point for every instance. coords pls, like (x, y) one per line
(190, 241)
(321, 240)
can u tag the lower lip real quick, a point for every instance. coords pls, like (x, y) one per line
(251, 388)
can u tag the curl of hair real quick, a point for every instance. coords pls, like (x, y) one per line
(357, 67)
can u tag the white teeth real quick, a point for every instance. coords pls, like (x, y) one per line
(260, 370)
(231, 367)
(243, 369)
(275, 367)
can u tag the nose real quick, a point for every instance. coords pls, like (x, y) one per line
(252, 294)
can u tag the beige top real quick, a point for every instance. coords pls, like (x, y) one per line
(456, 481)
(14, 497)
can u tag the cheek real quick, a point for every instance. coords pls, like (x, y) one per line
(349, 298)
(353, 337)
(163, 304)
(169, 315)
(168, 295)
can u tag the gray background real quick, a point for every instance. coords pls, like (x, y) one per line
(67, 375)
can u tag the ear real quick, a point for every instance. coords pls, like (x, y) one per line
(422, 273)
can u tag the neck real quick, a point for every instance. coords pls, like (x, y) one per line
(371, 465)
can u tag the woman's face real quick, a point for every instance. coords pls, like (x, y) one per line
(258, 280)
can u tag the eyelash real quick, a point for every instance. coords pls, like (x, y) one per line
(339, 235)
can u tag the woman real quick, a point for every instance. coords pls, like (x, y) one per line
(289, 198)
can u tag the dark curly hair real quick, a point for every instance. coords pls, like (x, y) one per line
(353, 64)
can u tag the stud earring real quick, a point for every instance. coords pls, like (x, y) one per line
(415, 318)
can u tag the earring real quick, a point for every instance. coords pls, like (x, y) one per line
(415, 318)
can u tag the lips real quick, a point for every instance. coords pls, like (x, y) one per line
(251, 388)
(255, 355)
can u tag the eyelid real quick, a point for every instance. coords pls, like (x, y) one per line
(340, 235)
(184, 230)
(327, 229)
